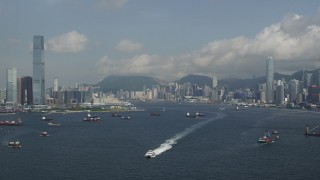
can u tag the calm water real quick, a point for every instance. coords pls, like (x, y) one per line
(220, 146)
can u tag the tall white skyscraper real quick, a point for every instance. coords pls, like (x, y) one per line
(38, 79)
(214, 80)
(214, 87)
(269, 81)
(55, 84)
(11, 85)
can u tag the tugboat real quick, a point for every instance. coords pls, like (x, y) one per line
(150, 154)
(266, 138)
(14, 144)
(91, 118)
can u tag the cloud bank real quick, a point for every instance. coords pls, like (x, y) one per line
(293, 42)
(128, 46)
(71, 42)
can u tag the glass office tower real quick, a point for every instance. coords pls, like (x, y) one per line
(26, 90)
(11, 86)
(38, 79)
(269, 81)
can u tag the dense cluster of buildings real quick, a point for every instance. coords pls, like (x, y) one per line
(31, 91)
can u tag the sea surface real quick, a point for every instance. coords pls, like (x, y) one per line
(220, 145)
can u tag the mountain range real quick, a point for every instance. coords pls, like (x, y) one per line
(138, 83)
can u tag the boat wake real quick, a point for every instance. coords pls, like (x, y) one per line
(170, 142)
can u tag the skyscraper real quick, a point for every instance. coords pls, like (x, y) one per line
(55, 84)
(38, 79)
(214, 80)
(214, 86)
(26, 90)
(18, 90)
(269, 80)
(11, 85)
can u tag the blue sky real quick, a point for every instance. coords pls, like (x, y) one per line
(168, 39)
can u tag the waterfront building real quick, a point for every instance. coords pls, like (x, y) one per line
(280, 93)
(293, 90)
(314, 94)
(269, 80)
(3, 96)
(11, 86)
(38, 80)
(26, 91)
(206, 91)
(19, 90)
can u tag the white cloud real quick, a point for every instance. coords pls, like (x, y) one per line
(294, 42)
(128, 46)
(109, 4)
(71, 42)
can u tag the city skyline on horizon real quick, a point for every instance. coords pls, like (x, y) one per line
(122, 38)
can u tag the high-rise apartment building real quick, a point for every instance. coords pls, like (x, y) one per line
(38, 79)
(269, 81)
(11, 86)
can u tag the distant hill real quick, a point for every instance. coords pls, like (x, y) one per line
(128, 83)
(196, 79)
(137, 83)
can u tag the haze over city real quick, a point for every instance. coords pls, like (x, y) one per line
(86, 41)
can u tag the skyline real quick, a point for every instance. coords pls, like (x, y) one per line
(87, 41)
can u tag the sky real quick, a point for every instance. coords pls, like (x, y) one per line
(88, 40)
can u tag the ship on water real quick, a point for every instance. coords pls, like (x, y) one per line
(91, 118)
(150, 154)
(11, 123)
(310, 132)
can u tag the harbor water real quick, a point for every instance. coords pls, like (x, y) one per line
(222, 144)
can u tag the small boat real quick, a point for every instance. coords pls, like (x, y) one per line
(199, 114)
(150, 154)
(155, 114)
(191, 116)
(44, 118)
(308, 132)
(14, 144)
(125, 117)
(222, 108)
(115, 115)
(91, 118)
(266, 138)
(275, 132)
(54, 124)
(44, 134)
